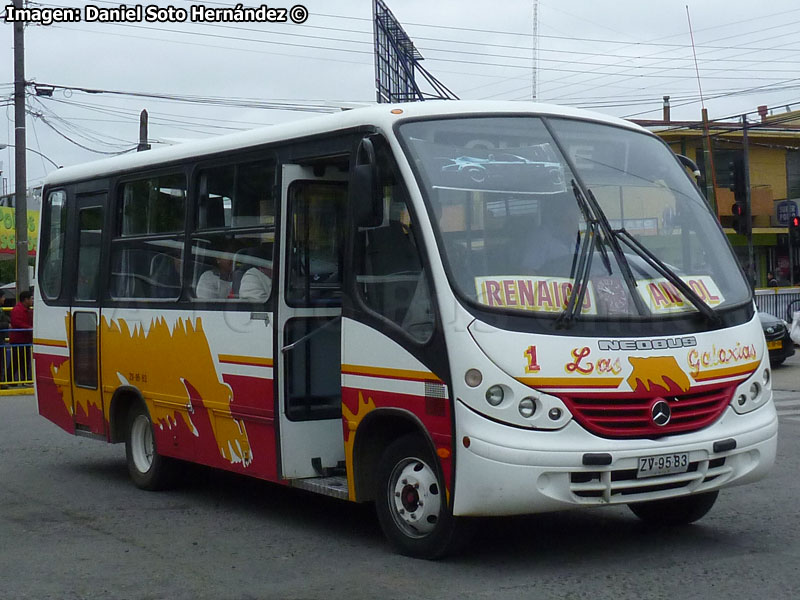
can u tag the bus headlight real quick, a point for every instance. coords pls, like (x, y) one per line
(473, 378)
(495, 395)
(527, 407)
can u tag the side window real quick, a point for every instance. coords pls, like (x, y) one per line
(90, 222)
(153, 205)
(85, 350)
(390, 272)
(147, 248)
(315, 243)
(233, 241)
(52, 261)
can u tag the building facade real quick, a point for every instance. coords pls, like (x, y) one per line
(772, 159)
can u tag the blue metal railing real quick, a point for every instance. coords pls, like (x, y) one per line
(776, 301)
(16, 368)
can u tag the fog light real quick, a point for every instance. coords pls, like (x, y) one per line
(495, 395)
(554, 414)
(527, 406)
(741, 399)
(473, 378)
(755, 390)
(766, 376)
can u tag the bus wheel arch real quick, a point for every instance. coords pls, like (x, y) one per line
(375, 433)
(124, 398)
(148, 469)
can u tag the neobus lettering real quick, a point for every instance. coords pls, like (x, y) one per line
(647, 344)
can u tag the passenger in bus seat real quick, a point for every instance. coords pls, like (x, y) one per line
(216, 283)
(252, 273)
(256, 284)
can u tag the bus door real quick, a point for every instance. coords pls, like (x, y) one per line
(87, 403)
(308, 328)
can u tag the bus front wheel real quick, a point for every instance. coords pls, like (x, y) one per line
(675, 511)
(148, 469)
(412, 504)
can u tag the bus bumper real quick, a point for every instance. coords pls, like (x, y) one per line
(507, 470)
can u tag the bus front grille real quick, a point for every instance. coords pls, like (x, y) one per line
(631, 416)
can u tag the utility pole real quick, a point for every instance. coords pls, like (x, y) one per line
(748, 214)
(143, 120)
(20, 172)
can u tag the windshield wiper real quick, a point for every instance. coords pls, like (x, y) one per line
(657, 264)
(590, 216)
(580, 276)
(627, 273)
(598, 222)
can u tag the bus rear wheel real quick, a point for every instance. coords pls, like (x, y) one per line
(411, 502)
(675, 511)
(148, 469)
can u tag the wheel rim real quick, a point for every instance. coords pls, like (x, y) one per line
(142, 444)
(415, 500)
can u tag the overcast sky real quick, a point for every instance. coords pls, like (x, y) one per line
(616, 57)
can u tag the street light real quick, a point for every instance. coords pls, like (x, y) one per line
(54, 163)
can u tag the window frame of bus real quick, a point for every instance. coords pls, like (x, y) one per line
(47, 221)
(229, 233)
(131, 240)
(381, 321)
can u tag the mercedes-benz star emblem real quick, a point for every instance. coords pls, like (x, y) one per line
(660, 413)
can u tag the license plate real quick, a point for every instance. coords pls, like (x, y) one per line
(665, 464)
(776, 345)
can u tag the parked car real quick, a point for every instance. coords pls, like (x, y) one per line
(779, 344)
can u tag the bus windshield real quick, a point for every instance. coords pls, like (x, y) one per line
(518, 202)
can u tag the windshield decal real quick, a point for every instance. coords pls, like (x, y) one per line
(543, 294)
(663, 297)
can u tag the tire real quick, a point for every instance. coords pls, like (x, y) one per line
(675, 511)
(777, 362)
(412, 504)
(148, 469)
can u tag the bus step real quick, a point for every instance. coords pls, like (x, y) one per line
(330, 486)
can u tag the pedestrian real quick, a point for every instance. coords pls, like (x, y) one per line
(771, 281)
(5, 325)
(21, 338)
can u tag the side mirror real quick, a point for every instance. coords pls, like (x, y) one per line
(367, 194)
(689, 164)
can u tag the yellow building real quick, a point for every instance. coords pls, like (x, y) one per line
(774, 168)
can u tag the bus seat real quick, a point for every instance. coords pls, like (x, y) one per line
(165, 277)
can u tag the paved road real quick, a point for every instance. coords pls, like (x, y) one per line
(73, 527)
(786, 388)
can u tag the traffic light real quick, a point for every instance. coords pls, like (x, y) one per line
(738, 185)
(794, 232)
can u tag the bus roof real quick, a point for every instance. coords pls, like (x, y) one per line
(380, 116)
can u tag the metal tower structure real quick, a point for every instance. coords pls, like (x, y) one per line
(397, 63)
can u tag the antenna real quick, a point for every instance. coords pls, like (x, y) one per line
(535, 51)
(710, 193)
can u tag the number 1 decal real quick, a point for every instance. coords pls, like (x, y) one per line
(533, 365)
